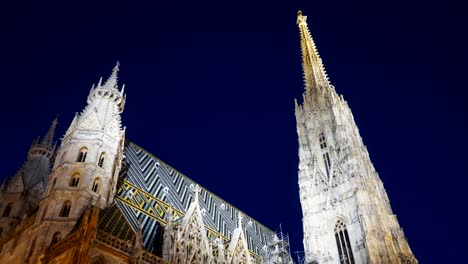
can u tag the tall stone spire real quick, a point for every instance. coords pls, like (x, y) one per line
(316, 83)
(347, 216)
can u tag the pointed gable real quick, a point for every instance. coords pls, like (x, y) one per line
(89, 120)
(190, 240)
(238, 251)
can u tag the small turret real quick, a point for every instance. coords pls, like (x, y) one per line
(46, 146)
(22, 193)
(40, 154)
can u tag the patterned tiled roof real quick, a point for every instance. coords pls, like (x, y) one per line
(150, 187)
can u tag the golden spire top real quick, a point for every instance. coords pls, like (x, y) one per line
(315, 77)
(300, 17)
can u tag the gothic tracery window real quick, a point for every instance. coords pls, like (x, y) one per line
(342, 241)
(82, 155)
(325, 155)
(65, 211)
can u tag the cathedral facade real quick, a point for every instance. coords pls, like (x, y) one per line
(100, 198)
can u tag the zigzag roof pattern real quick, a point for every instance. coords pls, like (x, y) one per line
(150, 187)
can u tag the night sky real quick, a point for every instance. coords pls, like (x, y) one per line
(210, 91)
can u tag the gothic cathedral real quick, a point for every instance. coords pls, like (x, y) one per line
(347, 216)
(101, 198)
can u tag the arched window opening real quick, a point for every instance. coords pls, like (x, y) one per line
(56, 238)
(95, 187)
(75, 180)
(325, 155)
(342, 241)
(65, 211)
(82, 155)
(7, 211)
(102, 158)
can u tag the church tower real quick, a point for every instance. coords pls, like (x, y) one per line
(21, 194)
(87, 163)
(347, 216)
(84, 175)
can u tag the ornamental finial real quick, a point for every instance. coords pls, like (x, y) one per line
(239, 219)
(301, 18)
(117, 65)
(196, 190)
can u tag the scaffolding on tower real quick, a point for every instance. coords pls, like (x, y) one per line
(300, 257)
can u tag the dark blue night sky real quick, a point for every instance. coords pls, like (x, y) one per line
(211, 86)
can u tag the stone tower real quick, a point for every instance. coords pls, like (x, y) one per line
(21, 194)
(347, 216)
(89, 159)
(84, 174)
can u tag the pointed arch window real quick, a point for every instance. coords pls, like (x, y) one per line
(65, 211)
(82, 155)
(7, 211)
(56, 238)
(102, 159)
(325, 155)
(342, 242)
(75, 180)
(96, 184)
